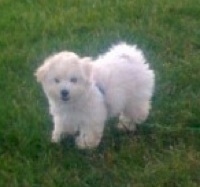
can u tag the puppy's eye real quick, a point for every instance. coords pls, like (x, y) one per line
(56, 80)
(73, 80)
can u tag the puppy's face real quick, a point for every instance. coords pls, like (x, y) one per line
(65, 77)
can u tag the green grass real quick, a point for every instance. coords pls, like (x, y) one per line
(166, 149)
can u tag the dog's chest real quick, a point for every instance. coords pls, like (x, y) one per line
(74, 116)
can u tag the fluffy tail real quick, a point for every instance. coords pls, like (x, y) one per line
(133, 55)
(128, 52)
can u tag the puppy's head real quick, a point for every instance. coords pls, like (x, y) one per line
(65, 76)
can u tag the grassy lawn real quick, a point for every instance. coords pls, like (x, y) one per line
(166, 149)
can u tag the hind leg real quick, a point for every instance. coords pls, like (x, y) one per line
(126, 123)
(134, 113)
(138, 111)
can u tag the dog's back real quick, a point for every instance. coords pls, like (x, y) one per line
(125, 77)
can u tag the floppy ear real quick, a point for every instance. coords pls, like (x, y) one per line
(87, 66)
(42, 71)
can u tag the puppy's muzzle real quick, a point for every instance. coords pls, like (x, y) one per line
(64, 95)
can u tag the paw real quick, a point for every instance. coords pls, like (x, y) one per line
(126, 127)
(56, 137)
(87, 141)
(126, 124)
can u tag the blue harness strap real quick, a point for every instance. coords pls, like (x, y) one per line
(100, 88)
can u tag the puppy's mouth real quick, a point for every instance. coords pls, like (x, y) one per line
(65, 99)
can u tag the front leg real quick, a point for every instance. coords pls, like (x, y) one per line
(89, 137)
(57, 131)
(88, 140)
(56, 136)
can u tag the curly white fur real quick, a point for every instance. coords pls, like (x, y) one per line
(83, 93)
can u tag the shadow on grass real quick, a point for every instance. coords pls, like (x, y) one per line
(147, 136)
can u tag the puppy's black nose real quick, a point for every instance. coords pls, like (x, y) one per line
(64, 93)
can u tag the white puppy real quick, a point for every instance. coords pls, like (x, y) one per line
(83, 93)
